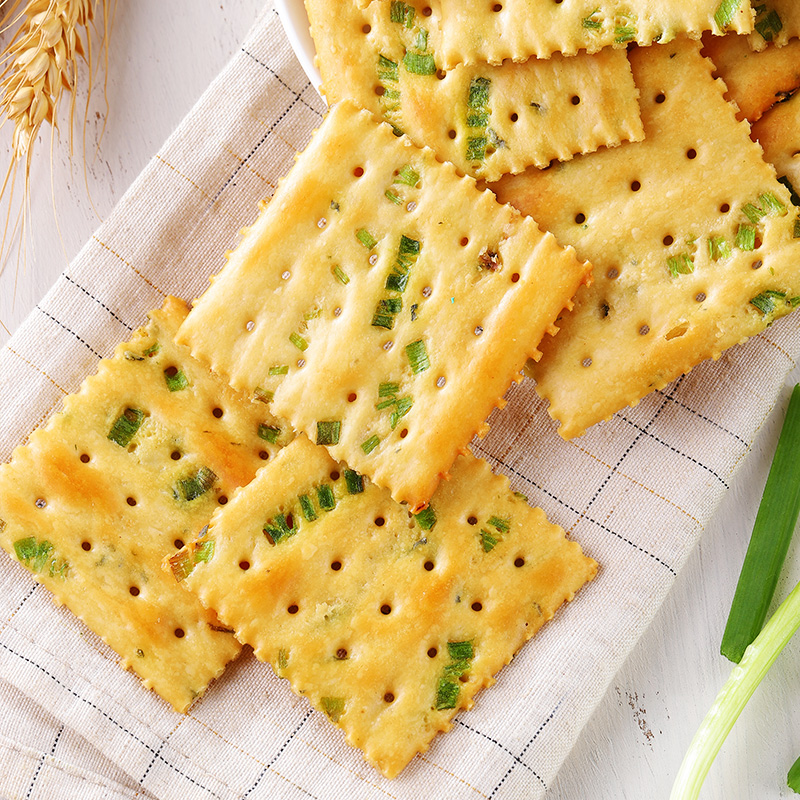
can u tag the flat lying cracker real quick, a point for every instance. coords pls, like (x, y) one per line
(518, 29)
(755, 80)
(778, 132)
(776, 21)
(132, 467)
(383, 302)
(488, 121)
(387, 622)
(688, 261)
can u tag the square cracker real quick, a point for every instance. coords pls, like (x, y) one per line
(383, 302)
(487, 120)
(755, 80)
(93, 517)
(495, 30)
(688, 262)
(778, 132)
(389, 623)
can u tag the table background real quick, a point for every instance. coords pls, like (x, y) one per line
(163, 55)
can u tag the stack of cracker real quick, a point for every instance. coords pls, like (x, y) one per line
(373, 316)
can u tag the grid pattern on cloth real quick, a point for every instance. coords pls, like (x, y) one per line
(636, 492)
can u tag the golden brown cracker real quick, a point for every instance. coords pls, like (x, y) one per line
(778, 133)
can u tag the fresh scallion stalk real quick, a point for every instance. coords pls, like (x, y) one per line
(768, 301)
(419, 63)
(488, 540)
(388, 389)
(395, 198)
(769, 542)
(403, 407)
(753, 212)
(407, 175)
(263, 395)
(681, 264)
(733, 697)
(340, 275)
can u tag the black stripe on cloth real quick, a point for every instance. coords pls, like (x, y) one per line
(99, 302)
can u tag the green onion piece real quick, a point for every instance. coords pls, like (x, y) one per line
(461, 651)
(326, 497)
(746, 237)
(417, 354)
(447, 692)
(192, 488)
(396, 282)
(753, 212)
(421, 42)
(388, 389)
(354, 481)
(383, 321)
(769, 542)
(124, 429)
(409, 246)
(307, 507)
(387, 70)
(298, 341)
(283, 659)
(768, 301)
(478, 92)
(476, 148)
(403, 407)
(269, 433)
(279, 369)
(771, 204)
(725, 11)
(680, 265)
(769, 24)
(488, 540)
(366, 238)
(407, 176)
(132, 356)
(333, 707)
(280, 527)
(426, 518)
(34, 554)
(624, 33)
(26, 548)
(395, 198)
(152, 350)
(502, 525)
(263, 395)
(391, 305)
(370, 444)
(387, 403)
(733, 697)
(419, 63)
(718, 248)
(478, 119)
(181, 564)
(328, 431)
(590, 22)
(340, 275)
(175, 379)
(204, 551)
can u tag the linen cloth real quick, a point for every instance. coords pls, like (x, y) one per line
(636, 493)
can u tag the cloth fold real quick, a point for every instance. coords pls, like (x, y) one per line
(635, 491)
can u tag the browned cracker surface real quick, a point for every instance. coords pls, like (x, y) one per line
(383, 303)
(388, 623)
(778, 132)
(93, 517)
(691, 235)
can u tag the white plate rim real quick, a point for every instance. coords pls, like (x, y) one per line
(293, 17)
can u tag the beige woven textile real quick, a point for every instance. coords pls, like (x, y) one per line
(636, 493)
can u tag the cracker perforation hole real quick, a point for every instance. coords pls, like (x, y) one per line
(244, 565)
(87, 546)
(612, 274)
(249, 326)
(85, 458)
(580, 218)
(464, 241)
(286, 275)
(515, 277)
(335, 475)
(171, 371)
(700, 297)
(337, 312)
(388, 345)
(40, 502)
(519, 561)
(432, 652)
(441, 381)
(179, 633)
(514, 116)
(667, 240)
(644, 330)
(427, 291)
(358, 172)
(575, 100)
(404, 433)
(757, 264)
(352, 397)
(175, 455)
(472, 520)
(497, 7)
(441, 74)
(133, 591)
(263, 455)
(660, 97)
(131, 501)
(451, 133)
(217, 412)
(428, 565)
(366, 28)
(691, 153)
(341, 654)
(178, 543)
(222, 499)
(388, 697)
(426, 12)
(380, 90)
(724, 208)
(587, 362)
(336, 565)
(293, 608)
(380, 521)
(386, 609)
(635, 186)
(477, 606)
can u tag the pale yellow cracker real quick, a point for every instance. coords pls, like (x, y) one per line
(776, 21)
(691, 237)
(130, 469)
(383, 302)
(387, 622)
(778, 132)
(755, 80)
(488, 121)
(494, 30)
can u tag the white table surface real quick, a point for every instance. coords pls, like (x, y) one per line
(635, 740)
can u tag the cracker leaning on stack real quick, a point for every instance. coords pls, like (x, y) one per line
(379, 307)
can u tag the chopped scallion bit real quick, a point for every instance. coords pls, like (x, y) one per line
(181, 564)
(590, 22)
(333, 706)
(326, 497)
(204, 551)
(298, 341)
(746, 237)
(407, 176)
(478, 92)
(624, 33)
(725, 11)
(269, 433)
(124, 429)
(681, 264)
(280, 527)
(426, 518)
(387, 69)
(419, 63)
(403, 407)
(307, 507)
(753, 212)
(417, 353)
(768, 301)
(447, 692)
(768, 24)
(354, 481)
(340, 275)
(771, 204)
(191, 488)
(387, 403)
(488, 540)
(388, 389)
(476, 148)
(370, 444)
(769, 542)
(283, 659)
(396, 282)
(263, 395)
(279, 369)
(366, 238)
(718, 248)
(32, 553)
(152, 350)
(328, 431)
(395, 198)
(461, 651)
(421, 41)
(502, 525)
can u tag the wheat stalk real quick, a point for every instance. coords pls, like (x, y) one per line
(39, 64)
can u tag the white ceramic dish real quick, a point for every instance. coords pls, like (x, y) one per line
(293, 16)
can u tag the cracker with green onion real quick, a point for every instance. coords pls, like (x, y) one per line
(692, 237)
(388, 622)
(486, 120)
(755, 80)
(776, 22)
(383, 303)
(129, 470)
(469, 32)
(778, 133)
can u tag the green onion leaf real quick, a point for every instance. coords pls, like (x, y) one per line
(328, 431)
(298, 341)
(204, 551)
(403, 407)
(419, 63)
(326, 497)
(488, 540)
(769, 25)
(388, 389)
(333, 707)
(396, 282)
(417, 353)
(624, 33)
(280, 527)
(269, 433)
(718, 248)
(476, 148)
(746, 237)
(283, 659)
(725, 11)
(590, 22)
(279, 369)
(181, 564)
(395, 198)
(768, 301)
(263, 395)
(307, 507)
(769, 542)
(366, 238)
(681, 264)
(354, 481)
(152, 350)
(340, 275)
(198, 484)
(407, 176)
(35, 554)
(370, 444)
(502, 525)
(124, 429)
(461, 651)
(478, 92)
(753, 212)
(426, 518)
(387, 70)
(387, 403)
(383, 321)
(421, 41)
(409, 246)
(447, 692)
(175, 379)
(771, 204)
